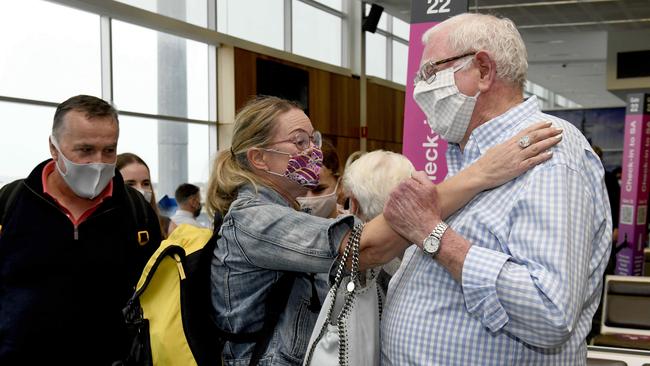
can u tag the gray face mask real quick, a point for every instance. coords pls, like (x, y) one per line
(85, 180)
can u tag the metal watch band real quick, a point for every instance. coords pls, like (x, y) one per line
(431, 244)
(439, 230)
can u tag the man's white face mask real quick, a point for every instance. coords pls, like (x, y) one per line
(448, 111)
(85, 180)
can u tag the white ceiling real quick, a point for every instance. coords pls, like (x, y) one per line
(566, 39)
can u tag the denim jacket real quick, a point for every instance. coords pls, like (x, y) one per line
(262, 237)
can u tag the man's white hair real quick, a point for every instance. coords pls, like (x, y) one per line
(372, 177)
(497, 36)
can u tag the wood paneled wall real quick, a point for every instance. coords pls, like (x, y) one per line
(334, 105)
(385, 117)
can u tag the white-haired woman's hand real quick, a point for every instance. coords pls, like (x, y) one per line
(517, 155)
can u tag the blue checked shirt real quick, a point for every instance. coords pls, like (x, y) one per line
(532, 279)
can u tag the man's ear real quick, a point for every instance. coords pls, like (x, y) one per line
(53, 151)
(487, 70)
(256, 159)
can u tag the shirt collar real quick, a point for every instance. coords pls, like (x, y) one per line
(500, 128)
(181, 212)
(265, 192)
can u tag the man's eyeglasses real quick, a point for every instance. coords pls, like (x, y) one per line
(428, 71)
(303, 140)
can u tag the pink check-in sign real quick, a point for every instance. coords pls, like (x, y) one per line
(421, 145)
(632, 226)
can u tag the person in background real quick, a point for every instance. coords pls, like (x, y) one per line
(515, 276)
(367, 182)
(274, 158)
(71, 249)
(322, 200)
(188, 198)
(136, 174)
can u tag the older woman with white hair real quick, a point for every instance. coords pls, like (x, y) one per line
(367, 182)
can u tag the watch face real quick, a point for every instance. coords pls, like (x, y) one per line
(430, 245)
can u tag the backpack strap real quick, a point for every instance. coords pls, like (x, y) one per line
(138, 211)
(8, 195)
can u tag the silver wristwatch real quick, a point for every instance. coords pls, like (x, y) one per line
(431, 244)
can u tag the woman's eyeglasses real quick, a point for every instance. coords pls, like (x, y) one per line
(303, 140)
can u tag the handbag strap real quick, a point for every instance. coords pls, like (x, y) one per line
(349, 300)
(354, 237)
(352, 246)
(346, 253)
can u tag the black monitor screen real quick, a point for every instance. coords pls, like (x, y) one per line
(635, 64)
(284, 81)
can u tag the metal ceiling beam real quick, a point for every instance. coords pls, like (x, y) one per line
(536, 4)
(582, 24)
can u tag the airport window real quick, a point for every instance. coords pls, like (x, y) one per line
(142, 137)
(334, 4)
(27, 142)
(151, 73)
(49, 51)
(546, 98)
(388, 60)
(161, 84)
(322, 43)
(190, 11)
(400, 59)
(256, 21)
(401, 28)
(375, 55)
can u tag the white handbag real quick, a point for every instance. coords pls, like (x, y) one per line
(347, 328)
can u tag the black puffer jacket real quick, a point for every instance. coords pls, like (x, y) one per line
(61, 297)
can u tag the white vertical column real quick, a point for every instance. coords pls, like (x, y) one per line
(389, 47)
(351, 36)
(226, 92)
(363, 81)
(288, 25)
(106, 47)
(213, 95)
(172, 100)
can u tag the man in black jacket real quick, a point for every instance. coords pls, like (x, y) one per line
(72, 245)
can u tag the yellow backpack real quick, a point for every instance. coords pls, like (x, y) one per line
(169, 314)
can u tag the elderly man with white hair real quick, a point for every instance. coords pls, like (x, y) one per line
(515, 276)
(367, 182)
